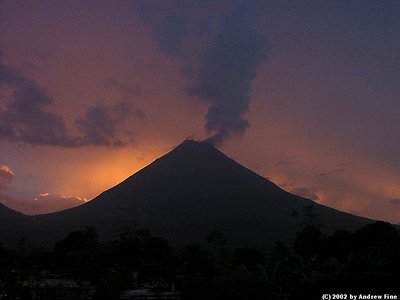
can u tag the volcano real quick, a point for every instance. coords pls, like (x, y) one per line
(192, 190)
(182, 196)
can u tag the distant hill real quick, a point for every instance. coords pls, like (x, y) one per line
(14, 226)
(194, 189)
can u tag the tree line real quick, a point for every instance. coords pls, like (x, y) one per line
(367, 260)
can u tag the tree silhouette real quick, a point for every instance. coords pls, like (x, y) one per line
(80, 254)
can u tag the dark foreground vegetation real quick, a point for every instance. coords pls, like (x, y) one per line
(138, 265)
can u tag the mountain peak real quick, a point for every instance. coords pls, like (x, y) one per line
(191, 151)
(190, 144)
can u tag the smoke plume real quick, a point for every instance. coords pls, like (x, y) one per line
(227, 67)
(221, 59)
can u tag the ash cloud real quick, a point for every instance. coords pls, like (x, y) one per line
(221, 65)
(26, 116)
(227, 67)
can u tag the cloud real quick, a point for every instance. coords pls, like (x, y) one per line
(395, 201)
(6, 177)
(26, 116)
(104, 125)
(221, 63)
(42, 204)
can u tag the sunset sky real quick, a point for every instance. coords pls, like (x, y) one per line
(304, 93)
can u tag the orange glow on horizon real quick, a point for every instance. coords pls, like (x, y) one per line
(102, 171)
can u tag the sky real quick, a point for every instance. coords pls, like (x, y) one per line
(304, 93)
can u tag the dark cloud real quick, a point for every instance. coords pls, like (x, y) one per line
(6, 177)
(395, 201)
(305, 193)
(223, 67)
(104, 126)
(26, 116)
